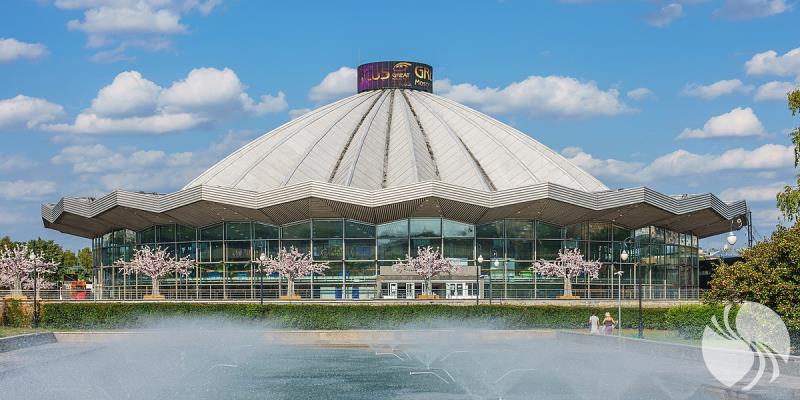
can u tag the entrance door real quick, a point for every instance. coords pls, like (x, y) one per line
(409, 290)
(461, 290)
(392, 291)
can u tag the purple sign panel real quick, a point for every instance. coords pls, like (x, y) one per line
(395, 75)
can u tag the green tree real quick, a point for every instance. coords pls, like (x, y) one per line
(769, 274)
(6, 243)
(69, 260)
(50, 251)
(789, 198)
(86, 262)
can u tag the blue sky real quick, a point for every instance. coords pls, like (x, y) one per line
(683, 97)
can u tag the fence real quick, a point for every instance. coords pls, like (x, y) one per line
(351, 292)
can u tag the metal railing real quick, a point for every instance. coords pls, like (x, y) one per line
(352, 292)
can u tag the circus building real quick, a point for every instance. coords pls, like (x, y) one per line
(363, 181)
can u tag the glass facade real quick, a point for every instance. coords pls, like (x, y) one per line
(360, 256)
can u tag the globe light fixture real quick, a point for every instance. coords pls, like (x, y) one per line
(731, 238)
(624, 255)
(480, 259)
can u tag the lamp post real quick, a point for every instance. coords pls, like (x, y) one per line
(35, 321)
(478, 280)
(261, 259)
(619, 299)
(624, 257)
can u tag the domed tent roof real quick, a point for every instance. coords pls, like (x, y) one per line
(395, 137)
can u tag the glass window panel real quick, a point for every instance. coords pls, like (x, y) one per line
(396, 229)
(238, 250)
(548, 231)
(490, 230)
(297, 231)
(327, 249)
(211, 273)
(519, 270)
(457, 229)
(301, 245)
(148, 236)
(358, 230)
(335, 270)
(119, 237)
(519, 249)
(658, 237)
(599, 231)
(359, 269)
(643, 235)
(425, 227)
(621, 233)
(392, 249)
(204, 252)
(186, 234)
(490, 248)
(216, 251)
(458, 248)
(328, 228)
(237, 231)
(186, 249)
(238, 272)
(519, 229)
(547, 249)
(359, 249)
(576, 231)
(600, 251)
(417, 243)
(166, 233)
(214, 232)
(265, 231)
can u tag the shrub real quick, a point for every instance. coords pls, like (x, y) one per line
(18, 314)
(315, 316)
(690, 320)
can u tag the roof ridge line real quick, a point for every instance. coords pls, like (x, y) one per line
(388, 137)
(350, 139)
(424, 135)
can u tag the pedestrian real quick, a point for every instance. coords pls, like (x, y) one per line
(594, 322)
(608, 324)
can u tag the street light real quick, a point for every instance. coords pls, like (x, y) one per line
(624, 257)
(262, 258)
(619, 295)
(478, 280)
(35, 321)
(731, 238)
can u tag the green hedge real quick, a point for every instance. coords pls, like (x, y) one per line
(688, 320)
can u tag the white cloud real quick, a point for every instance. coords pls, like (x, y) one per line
(298, 112)
(665, 15)
(747, 9)
(640, 93)
(29, 112)
(770, 63)
(775, 90)
(557, 96)
(138, 169)
(9, 162)
(335, 85)
(128, 95)
(131, 23)
(739, 122)
(133, 104)
(753, 193)
(601, 168)
(684, 163)
(26, 190)
(12, 49)
(716, 89)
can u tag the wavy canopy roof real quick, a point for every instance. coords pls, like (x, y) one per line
(391, 138)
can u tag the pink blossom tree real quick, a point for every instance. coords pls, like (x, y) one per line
(291, 264)
(427, 264)
(155, 264)
(21, 267)
(568, 265)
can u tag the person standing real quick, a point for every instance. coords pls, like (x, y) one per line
(594, 323)
(608, 324)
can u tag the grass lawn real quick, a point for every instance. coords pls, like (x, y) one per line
(8, 331)
(657, 335)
